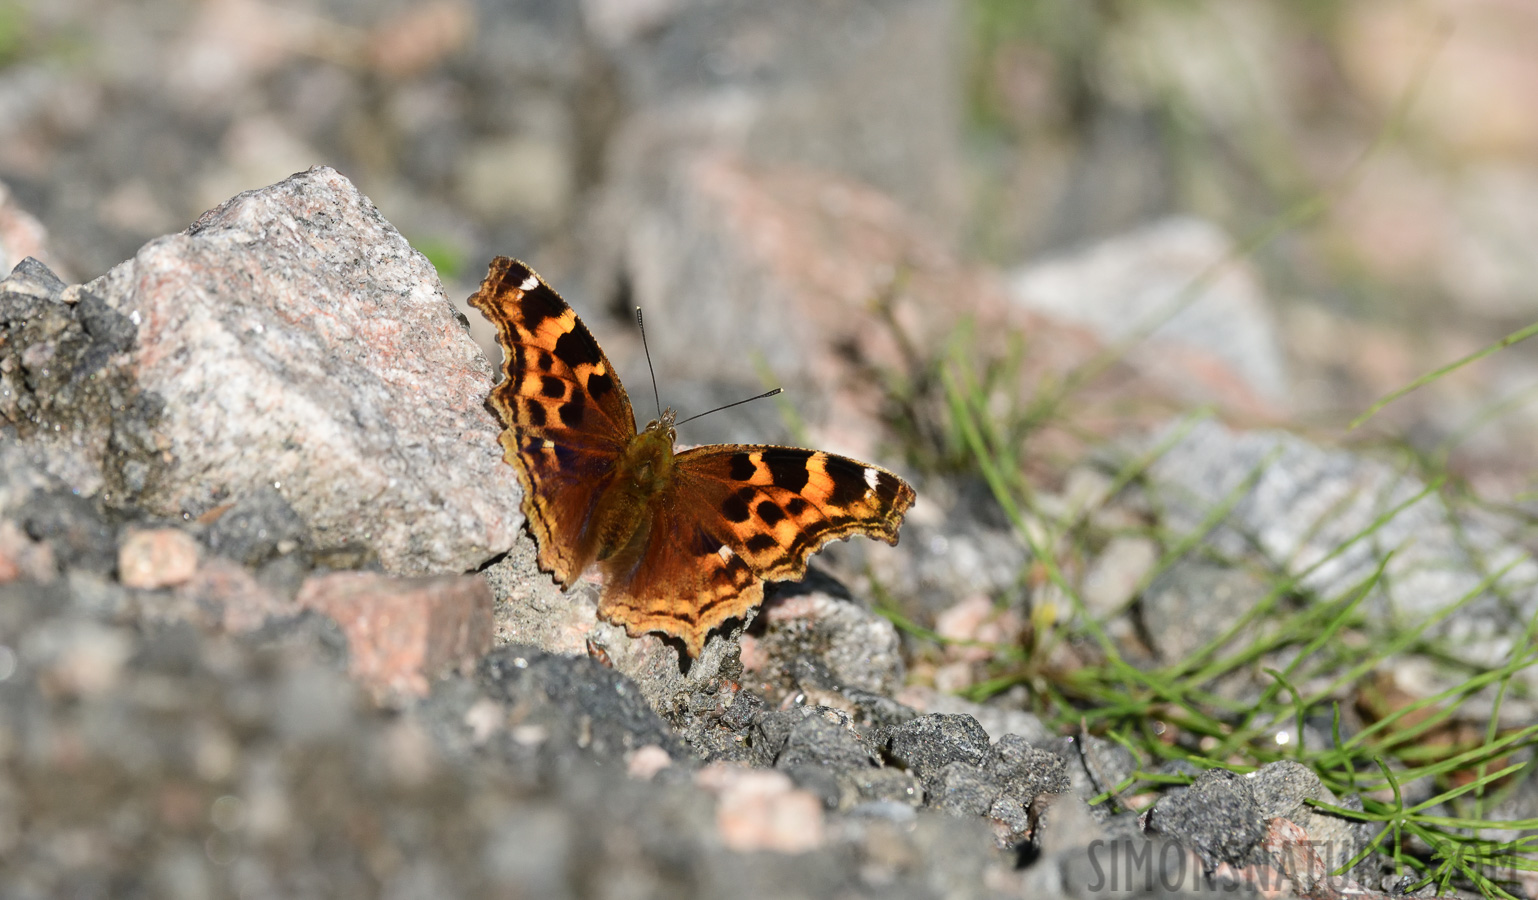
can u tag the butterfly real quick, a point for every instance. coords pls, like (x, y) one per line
(685, 539)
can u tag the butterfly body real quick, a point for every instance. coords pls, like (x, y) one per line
(684, 539)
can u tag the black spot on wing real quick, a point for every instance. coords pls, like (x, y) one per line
(848, 479)
(538, 304)
(599, 385)
(760, 543)
(771, 514)
(572, 411)
(795, 506)
(788, 467)
(735, 509)
(546, 361)
(577, 348)
(552, 387)
(742, 467)
(534, 411)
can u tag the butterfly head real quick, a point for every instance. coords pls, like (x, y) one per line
(663, 427)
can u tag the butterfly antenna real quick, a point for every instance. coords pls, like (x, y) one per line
(655, 396)
(738, 403)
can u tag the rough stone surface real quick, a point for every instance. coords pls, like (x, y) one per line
(404, 632)
(1314, 513)
(1280, 789)
(299, 343)
(927, 744)
(255, 528)
(532, 609)
(1217, 817)
(1202, 333)
(65, 387)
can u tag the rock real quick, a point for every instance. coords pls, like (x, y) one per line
(1330, 517)
(1217, 817)
(157, 558)
(401, 633)
(386, 444)
(1061, 823)
(1026, 771)
(1218, 343)
(850, 648)
(577, 700)
(73, 528)
(997, 721)
(1115, 574)
(867, 92)
(928, 743)
(255, 528)
(233, 598)
(1095, 766)
(65, 388)
(1191, 603)
(758, 810)
(1281, 787)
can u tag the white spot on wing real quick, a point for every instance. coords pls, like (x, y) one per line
(548, 444)
(725, 553)
(871, 478)
(530, 283)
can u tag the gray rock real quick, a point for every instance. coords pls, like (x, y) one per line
(1193, 602)
(821, 737)
(1280, 789)
(299, 343)
(1094, 766)
(65, 388)
(997, 719)
(257, 528)
(73, 526)
(887, 785)
(866, 90)
(926, 744)
(961, 789)
(1217, 817)
(1150, 279)
(597, 708)
(1314, 513)
(1024, 771)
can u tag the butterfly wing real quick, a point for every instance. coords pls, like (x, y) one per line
(566, 416)
(734, 516)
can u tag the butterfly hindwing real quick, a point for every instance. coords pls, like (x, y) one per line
(739, 514)
(567, 415)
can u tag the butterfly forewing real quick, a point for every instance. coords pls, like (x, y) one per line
(566, 413)
(737, 514)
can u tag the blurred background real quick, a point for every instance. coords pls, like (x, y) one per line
(1368, 169)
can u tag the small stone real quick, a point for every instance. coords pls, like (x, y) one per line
(1217, 817)
(401, 632)
(645, 762)
(759, 810)
(926, 744)
(157, 558)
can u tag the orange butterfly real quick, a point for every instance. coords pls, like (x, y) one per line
(684, 540)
